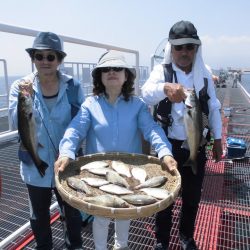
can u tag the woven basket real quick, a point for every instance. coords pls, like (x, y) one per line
(152, 166)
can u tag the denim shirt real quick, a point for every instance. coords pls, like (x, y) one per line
(114, 128)
(50, 127)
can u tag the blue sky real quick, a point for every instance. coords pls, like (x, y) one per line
(223, 26)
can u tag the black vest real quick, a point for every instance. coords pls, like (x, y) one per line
(162, 111)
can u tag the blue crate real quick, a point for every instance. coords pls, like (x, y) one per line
(236, 147)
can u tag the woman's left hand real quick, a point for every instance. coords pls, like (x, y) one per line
(169, 163)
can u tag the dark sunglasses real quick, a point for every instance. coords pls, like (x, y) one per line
(107, 69)
(49, 58)
(189, 47)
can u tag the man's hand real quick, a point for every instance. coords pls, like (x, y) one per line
(61, 163)
(169, 163)
(174, 92)
(217, 150)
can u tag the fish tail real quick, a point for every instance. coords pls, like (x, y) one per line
(191, 163)
(41, 168)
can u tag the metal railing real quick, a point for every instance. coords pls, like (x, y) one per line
(6, 28)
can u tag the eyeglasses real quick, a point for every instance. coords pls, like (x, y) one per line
(107, 69)
(49, 58)
(189, 47)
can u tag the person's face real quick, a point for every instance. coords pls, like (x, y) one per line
(183, 56)
(46, 61)
(113, 78)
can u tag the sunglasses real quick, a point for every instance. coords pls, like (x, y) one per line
(49, 58)
(189, 47)
(107, 69)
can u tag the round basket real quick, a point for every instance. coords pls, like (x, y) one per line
(152, 166)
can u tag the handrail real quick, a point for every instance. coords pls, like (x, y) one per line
(31, 32)
(21, 230)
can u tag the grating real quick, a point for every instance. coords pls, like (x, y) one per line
(223, 220)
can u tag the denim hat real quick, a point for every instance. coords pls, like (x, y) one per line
(47, 40)
(113, 58)
(183, 32)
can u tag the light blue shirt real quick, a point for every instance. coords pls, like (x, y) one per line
(50, 127)
(114, 128)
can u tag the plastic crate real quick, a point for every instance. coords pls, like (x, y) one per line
(235, 147)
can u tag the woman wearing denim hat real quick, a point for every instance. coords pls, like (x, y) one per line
(52, 113)
(113, 120)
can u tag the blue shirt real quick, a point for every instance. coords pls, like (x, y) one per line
(50, 127)
(113, 128)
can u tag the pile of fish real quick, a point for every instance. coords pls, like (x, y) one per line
(112, 178)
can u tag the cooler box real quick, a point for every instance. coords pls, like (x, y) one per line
(236, 147)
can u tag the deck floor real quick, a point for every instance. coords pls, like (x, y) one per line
(223, 220)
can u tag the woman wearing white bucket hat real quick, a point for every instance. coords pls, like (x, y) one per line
(113, 119)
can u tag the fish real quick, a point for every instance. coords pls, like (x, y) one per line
(107, 200)
(94, 164)
(158, 193)
(27, 126)
(139, 174)
(193, 128)
(115, 178)
(94, 182)
(100, 171)
(115, 189)
(121, 168)
(78, 185)
(152, 182)
(139, 199)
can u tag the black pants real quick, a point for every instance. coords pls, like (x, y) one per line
(39, 202)
(190, 192)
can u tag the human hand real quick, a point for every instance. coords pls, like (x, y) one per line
(26, 87)
(61, 163)
(217, 150)
(169, 163)
(174, 92)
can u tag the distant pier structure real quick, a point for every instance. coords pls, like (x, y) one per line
(242, 70)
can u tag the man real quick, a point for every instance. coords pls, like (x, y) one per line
(235, 79)
(183, 68)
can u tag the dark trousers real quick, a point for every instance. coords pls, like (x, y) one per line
(39, 202)
(191, 187)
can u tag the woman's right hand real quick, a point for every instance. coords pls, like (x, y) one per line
(61, 163)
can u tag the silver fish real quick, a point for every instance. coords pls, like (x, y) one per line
(115, 189)
(139, 199)
(100, 171)
(153, 182)
(193, 127)
(121, 168)
(95, 164)
(158, 193)
(115, 178)
(139, 174)
(94, 182)
(27, 127)
(107, 200)
(77, 184)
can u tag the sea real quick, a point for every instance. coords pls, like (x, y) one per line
(4, 91)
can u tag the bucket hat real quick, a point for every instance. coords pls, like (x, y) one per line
(113, 58)
(183, 32)
(47, 40)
